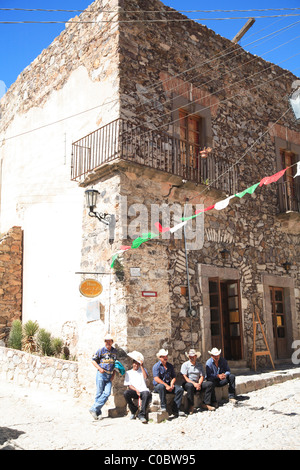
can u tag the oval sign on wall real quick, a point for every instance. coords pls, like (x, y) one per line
(90, 288)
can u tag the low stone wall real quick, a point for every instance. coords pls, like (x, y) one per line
(38, 372)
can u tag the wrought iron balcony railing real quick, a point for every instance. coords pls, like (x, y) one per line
(123, 140)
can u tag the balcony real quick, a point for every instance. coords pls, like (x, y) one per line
(122, 140)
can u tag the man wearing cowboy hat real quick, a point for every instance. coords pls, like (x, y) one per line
(164, 379)
(104, 361)
(135, 380)
(193, 375)
(218, 372)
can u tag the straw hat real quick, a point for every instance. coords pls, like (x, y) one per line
(136, 356)
(215, 352)
(108, 337)
(192, 352)
(162, 352)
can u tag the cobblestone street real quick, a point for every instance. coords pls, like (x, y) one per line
(268, 418)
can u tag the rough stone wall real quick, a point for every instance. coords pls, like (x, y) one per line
(11, 257)
(246, 98)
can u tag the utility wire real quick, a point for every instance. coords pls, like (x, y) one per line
(72, 21)
(147, 11)
(148, 90)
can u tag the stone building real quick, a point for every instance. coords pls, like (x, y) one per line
(163, 118)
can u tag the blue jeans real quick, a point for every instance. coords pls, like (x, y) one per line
(103, 391)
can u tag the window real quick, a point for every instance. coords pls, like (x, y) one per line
(288, 159)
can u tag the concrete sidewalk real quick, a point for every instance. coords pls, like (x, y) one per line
(255, 380)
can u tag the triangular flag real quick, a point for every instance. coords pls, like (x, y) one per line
(222, 204)
(115, 255)
(144, 238)
(273, 178)
(161, 229)
(177, 227)
(248, 190)
(298, 170)
(198, 212)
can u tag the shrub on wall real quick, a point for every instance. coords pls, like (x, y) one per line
(33, 339)
(15, 335)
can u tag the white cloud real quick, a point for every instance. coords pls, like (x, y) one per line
(3, 88)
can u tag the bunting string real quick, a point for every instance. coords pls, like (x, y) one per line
(145, 237)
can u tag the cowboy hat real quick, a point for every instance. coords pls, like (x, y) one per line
(192, 352)
(215, 352)
(108, 337)
(136, 356)
(162, 352)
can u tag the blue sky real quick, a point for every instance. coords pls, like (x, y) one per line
(20, 44)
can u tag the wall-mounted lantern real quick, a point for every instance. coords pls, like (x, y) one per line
(287, 266)
(107, 219)
(225, 253)
(91, 202)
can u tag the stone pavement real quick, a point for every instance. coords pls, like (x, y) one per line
(266, 417)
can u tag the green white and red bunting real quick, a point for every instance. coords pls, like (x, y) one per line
(218, 206)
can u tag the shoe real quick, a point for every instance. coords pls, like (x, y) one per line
(192, 410)
(142, 419)
(179, 414)
(94, 414)
(208, 407)
(233, 400)
(215, 404)
(132, 416)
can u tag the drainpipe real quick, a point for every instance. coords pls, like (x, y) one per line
(190, 310)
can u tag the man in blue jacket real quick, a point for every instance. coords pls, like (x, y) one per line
(218, 372)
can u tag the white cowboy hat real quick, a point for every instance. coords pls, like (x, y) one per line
(192, 352)
(136, 356)
(108, 337)
(162, 352)
(215, 352)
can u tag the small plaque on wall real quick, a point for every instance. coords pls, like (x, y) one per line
(135, 272)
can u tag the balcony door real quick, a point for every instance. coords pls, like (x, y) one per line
(191, 142)
(226, 318)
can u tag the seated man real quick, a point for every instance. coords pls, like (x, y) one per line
(135, 379)
(193, 375)
(164, 379)
(218, 372)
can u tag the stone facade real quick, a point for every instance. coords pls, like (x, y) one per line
(143, 73)
(11, 258)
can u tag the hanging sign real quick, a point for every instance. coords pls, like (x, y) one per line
(90, 288)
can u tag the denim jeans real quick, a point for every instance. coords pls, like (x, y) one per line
(103, 391)
(177, 391)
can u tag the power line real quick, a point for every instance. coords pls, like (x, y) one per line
(231, 49)
(149, 21)
(147, 11)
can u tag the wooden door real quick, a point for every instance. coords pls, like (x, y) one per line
(279, 322)
(226, 318)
